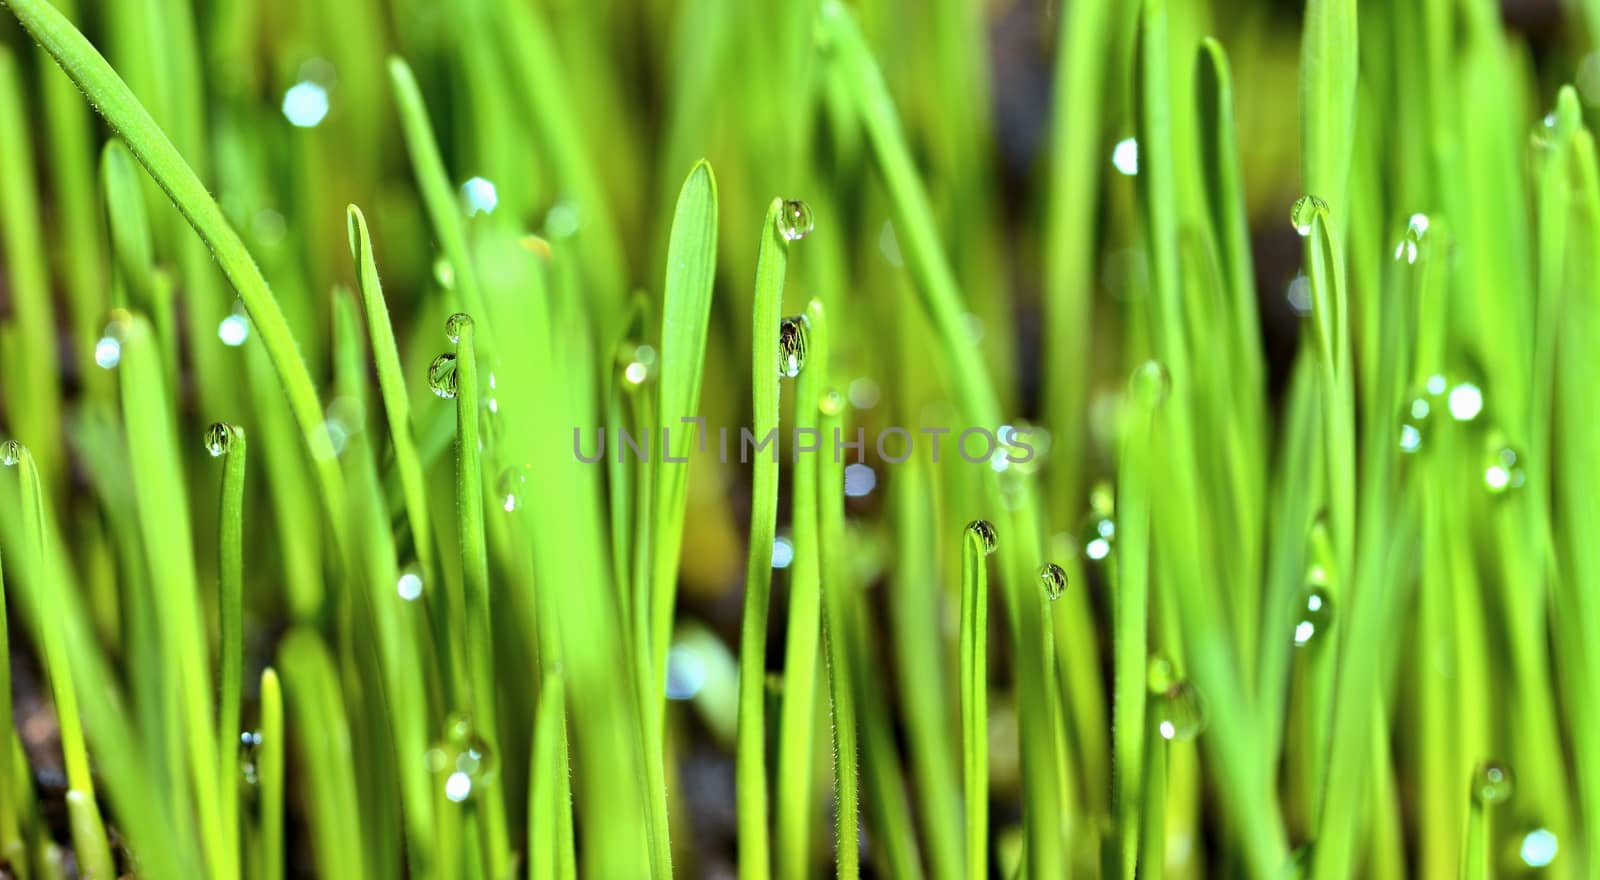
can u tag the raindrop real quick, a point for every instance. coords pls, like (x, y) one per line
(791, 346)
(1160, 674)
(1492, 783)
(1099, 531)
(1316, 613)
(510, 487)
(984, 530)
(859, 480)
(1180, 713)
(480, 196)
(305, 104)
(1503, 471)
(795, 220)
(249, 749)
(107, 352)
(686, 673)
(831, 403)
(11, 452)
(1300, 295)
(1151, 384)
(410, 584)
(782, 552)
(442, 375)
(1054, 578)
(218, 438)
(1465, 402)
(1411, 244)
(1125, 156)
(1539, 848)
(444, 273)
(455, 324)
(1306, 209)
(464, 756)
(234, 329)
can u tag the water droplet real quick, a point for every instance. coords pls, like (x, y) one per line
(1299, 295)
(864, 393)
(444, 273)
(410, 584)
(1180, 713)
(1465, 402)
(859, 480)
(11, 452)
(249, 748)
(1306, 209)
(305, 104)
(1125, 157)
(455, 324)
(782, 552)
(987, 538)
(686, 673)
(218, 438)
(1054, 578)
(562, 220)
(1411, 244)
(791, 346)
(1492, 783)
(234, 329)
(510, 488)
(1539, 848)
(1503, 470)
(831, 403)
(1418, 415)
(1159, 674)
(795, 220)
(442, 375)
(1099, 530)
(479, 196)
(107, 352)
(464, 756)
(1151, 383)
(1316, 611)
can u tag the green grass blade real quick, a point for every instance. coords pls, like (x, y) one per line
(230, 589)
(165, 524)
(837, 598)
(269, 775)
(322, 729)
(475, 572)
(1131, 612)
(550, 844)
(392, 385)
(772, 265)
(437, 193)
(686, 311)
(797, 721)
(975, 701)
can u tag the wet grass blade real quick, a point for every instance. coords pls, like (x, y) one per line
(165, 527)
(229, 440)
(836, 600)
(975, 701)
(550, 840)
(772, 264)
(797, 721)
(321, 728)
(269, 776)
(392, 386)
(1131, 586)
